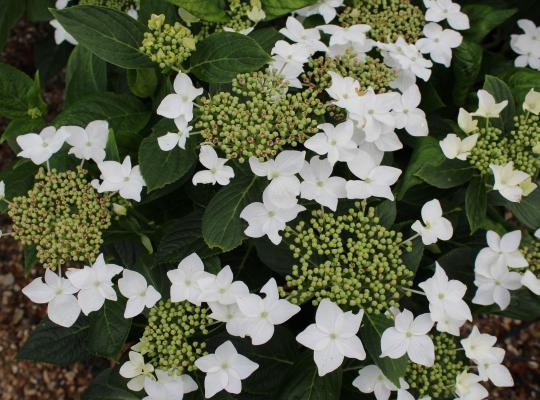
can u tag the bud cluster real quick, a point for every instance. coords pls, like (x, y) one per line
(389, 19)
(521, 146)
(531, 252)
(63, 216)
(119, 5)
(167, 45)
(258, 118)
(438, 381)
(351, 259)
(240, 17)
(174, 337)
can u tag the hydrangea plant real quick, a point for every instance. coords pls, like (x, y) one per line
(278, 199)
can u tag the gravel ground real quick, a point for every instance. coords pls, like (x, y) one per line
(35, 381)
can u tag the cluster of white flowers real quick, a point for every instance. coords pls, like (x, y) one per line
(86, 144)
(527, 45)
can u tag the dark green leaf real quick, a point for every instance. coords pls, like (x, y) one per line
(19, 127)
(412, 259)
(207, 10)
(142, 82)
(527, 210)
(371, 333)
(85, 74)
(483, 19)
(266, 37)
(36, 104)
(467, 62)
(278, 258)
(19, 179)
(387, 212)
(476, 203)
(524, 306)
(523, 80)
(111, 149)
(448, 174)
(109, 385)
(149, 7)
(222, 56)
(501, 92)
(108, 329)
(111, 35)
(426, 152)
(54, 344)
(14, 86)
(30, 258)
(50, 58)
(277, 8)
(221, 225)
(38, 10)
(10, 12)
(160, 168)
(306, 384)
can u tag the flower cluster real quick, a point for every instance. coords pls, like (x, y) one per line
(167, 45)
(350, 259)
(63, 216)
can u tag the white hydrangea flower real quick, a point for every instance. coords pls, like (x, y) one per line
(440, 10)
(527, 45)
(217, 171)
(439, 42)
(180, 103)
(88, 143)
(41, 147)
(318, 184)
(454, 147)
(134, 287)
(137, 371)
(121, 178)
(488, 106)
(509, 181)
(326, 8)
(433, 225)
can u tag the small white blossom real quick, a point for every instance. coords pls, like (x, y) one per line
(491, 368)
(469, 388)
(527, 45)
(222, 288)
(264, 313)
(501, 251)
(180, 103)
(311, 38)
(236, 323)
(335, 141)
(439, 42)
(408, 115)
(488, 106)
(136, 370)
(88, 143)
(60, 34)
(171, 140)
(531, 282)
(94, 284)
(342, 88)
(319, 185)
(466, 121)
(532, 102)
(63, 308)
(478, 346)
(409, 336)
(2, 190)
(433, 226)
(225, 369)
(440, 10)
(333, 337)
(40, 147)
(403, 56)
(295, 54)
(168, 387)
(326, 8)
(134, 287)
(185, 280)
(494, 284)
(371, 379)
(346, 40)
(509, 181)
(453, 146)
(217, 171)
(121, 178)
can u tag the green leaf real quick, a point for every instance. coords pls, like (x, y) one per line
(527, 211)
(207, 10)
(448, 174)
(149, 7)
(524, 306)
(386, 211)
(54, 344)
(412, 259)
(278, 258)
(30, 258)
(126, 114)
(501, 92)
(38, 10)
(266, 37)
(467, 62)
(142, 81)
(277, 8)
(306, 384)
(223, 55)
(111, 149)
(523, 80)
(111, 35)
(483, 19)
(109, 385)
(10, 12)
(85, 74)
(221, 225)
(14, 86)
(160, 168)
(108, 329)
(476, 203)
(426, 152)
(19, 179)
(371, 334)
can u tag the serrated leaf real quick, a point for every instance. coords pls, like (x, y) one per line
(111, 35)
(221, 225)
(108, 329)
(277, 8)
(448, 174)
(371, 333)
(501, 92)
(208, 10)
(223, 55)
(14, 85)
(476, 203)
(54, 344)
(85, 74)
(467, 62)
(160, 168)
(306, 384)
